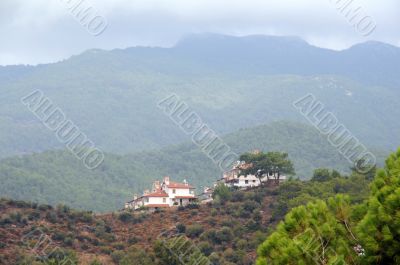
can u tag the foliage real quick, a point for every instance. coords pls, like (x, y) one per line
(324, 174)
(136, 256)
(379, 230)
(323, 233)
(312, 234)
(194, 230)
(270, 163)
(58, 177)
(177, 251)
(222, 193)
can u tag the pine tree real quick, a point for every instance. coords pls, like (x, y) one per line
(318, 233)
(379, 230)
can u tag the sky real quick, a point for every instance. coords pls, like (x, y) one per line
(43, 31)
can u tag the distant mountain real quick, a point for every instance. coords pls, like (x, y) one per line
(372, 63)
(231, 82)
(58, 177)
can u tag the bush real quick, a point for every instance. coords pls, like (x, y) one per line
(125, 217)
(106, 250)
(69, 241)
(222, 193)
(214, 212)
(321, 175)
(206, 248)
(194, 212)
(51, 217)
(59, 236)
(34, 215)
(194, 230)
(224, 235)
(133, 240)
(117, 256)
(44, 207)
(193, 206)
(181, 228)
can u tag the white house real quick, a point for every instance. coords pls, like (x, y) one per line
(232, 178)
(206, 196)
(164, 195)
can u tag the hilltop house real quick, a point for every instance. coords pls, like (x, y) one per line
(164, 194)
(233, 178)
(206, 196)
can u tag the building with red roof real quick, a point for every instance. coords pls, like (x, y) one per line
(164, 194)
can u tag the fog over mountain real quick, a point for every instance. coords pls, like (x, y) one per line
(54, 33)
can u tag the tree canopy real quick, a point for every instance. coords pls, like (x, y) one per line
(270, 163)
(379, 230)
(336, 232)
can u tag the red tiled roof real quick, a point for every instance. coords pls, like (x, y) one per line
(176, 185)
(185, 197)
(157, 205)
(156, 194)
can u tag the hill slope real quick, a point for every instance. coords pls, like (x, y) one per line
(58, 177)
(231, 82)
(228, 230)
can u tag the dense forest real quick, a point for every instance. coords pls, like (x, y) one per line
(230, 82)
(58, 177)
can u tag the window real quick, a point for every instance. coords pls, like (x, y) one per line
(164, 200)
(254, 181)
(146, 199)
(246, 181)
(174, 191)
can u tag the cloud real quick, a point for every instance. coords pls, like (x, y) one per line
(38, 31)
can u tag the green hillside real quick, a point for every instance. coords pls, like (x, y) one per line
(231, 82)
(58, 177)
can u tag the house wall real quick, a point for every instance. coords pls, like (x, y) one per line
(178, 192)
(156, 200)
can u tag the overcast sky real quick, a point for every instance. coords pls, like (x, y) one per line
(40, 31)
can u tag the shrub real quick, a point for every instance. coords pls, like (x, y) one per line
(117, 256)
(214, 212)
(193, 213)
(224, 235)
(133, 240)
(44, 207)
(222, 193)
(125, 217)
(59, 236)
(51, 217)
(181, 228)
(69, 241)
(119, 246)
(106, 250)
(34, 215)
(250, 205)
(194, 230)
(193, 206)
(206, 248)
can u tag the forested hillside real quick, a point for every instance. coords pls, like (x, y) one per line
(58, 177)
(230, 82)
(227, 231)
